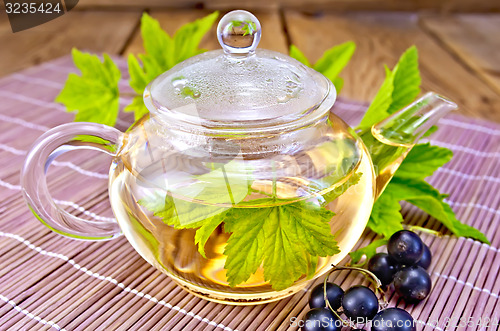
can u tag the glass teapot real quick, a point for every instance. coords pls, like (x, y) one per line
(240, 184)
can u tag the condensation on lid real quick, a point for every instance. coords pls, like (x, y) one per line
(239, 85)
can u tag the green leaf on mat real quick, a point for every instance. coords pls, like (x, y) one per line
(163, 52)
(331, 63)
(424, 196)
(423, 160)
(429, 132)
(377, 110)
(367, 251)
(385, 218)
(335, 59)
(138, 107)
(298, 55)
(93, 95)
(338, 83)
(400, 87)
(406, 80)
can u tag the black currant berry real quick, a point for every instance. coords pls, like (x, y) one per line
(334, 294)
(360, 302)
(393, 319)
(413, 284)
(406, 247)
(321, 319)
(384, 267)
(426, 259)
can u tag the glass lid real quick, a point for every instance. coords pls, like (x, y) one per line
(240, 86)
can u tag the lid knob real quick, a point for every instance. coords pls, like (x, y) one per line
(239, 32)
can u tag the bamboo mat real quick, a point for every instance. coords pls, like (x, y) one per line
(48, 281)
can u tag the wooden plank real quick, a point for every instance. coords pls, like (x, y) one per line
(474, 38)
(273, 36)
(362, 5)
(381, 38)
(96, 31)
(308, 5)
(117, 4)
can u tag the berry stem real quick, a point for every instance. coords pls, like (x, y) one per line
(425, 230)
(376, 282)
(326, 297)
(368, 274)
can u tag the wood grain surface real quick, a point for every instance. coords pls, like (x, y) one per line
(459, 54)
(307, 5)
(105, 285)
(96, 31)
(475, 39)
(381, 38)
(274, 37)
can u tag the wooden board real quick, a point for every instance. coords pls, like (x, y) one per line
(95, 31)
(308, 5)
(273, 36)
(473, 38)
(381, 38)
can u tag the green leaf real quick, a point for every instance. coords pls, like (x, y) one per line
(287, 238)
(248, 27)
(377, 110)
(406, 80)
(163, 52)
(424, 196)
(158, 46)
(338, 83)
(423, 160)
(188, 37)
(461, 229)
(331, 63)
(138, 107)
(385, 218)
(179, 213)
(94, 94)
(245, 246)
(297, 232)
(367, 251)
(335, 59)
(205, 231)
(138, 78)
(400, 87)
(338, 191)
(310, 225)
(312, 263)
(284, 258)
(298, 55)
(429, 132)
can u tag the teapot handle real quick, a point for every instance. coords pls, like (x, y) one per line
(53, 143)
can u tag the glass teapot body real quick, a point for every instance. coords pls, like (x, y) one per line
(241, 184)
(176, 194)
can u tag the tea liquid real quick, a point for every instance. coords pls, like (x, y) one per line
(174, 252)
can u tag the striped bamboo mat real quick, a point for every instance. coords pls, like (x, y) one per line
(48, 281)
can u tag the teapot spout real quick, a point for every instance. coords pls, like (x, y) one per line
(390, 140)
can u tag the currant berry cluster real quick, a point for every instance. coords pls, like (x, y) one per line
(404, 266)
